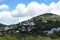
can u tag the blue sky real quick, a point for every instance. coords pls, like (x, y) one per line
(13, 3)
(14, 11)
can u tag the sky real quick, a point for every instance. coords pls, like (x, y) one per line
(14, 11)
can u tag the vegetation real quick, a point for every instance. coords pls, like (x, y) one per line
(51, 21)
(28, 37)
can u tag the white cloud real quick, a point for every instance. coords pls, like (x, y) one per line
(23, 12)
(5, 15)
(31, 10)
(56, 9)
(20, 10)
(4, 7)
(34, 9)
(23, 19)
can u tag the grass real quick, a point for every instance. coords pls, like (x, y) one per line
(25, 37)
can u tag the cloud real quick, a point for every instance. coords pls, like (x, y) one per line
(7, 19)
(31, 10)
(34, 8)
(5, 15)
(56, 8)
(4, 7)
(20, 10)
(23, 12)
(23, 18)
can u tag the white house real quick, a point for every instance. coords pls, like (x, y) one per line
(53, 29)
(48, 32)
(17, 31)
(58, 29)
(23, 27)
(6, 28)
(29, 22)
(29, 29)
(11, 27)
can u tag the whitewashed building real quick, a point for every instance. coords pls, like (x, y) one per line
(58, 29)
(52, 30)
(29, 22)
(6, 28)
(48, 32)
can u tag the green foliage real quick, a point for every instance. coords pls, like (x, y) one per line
(53, 21)
(8, 37)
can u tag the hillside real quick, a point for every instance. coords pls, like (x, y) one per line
(2, 25)
(47, 21)
(37, 28)
(44, 22)
(47, 16)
